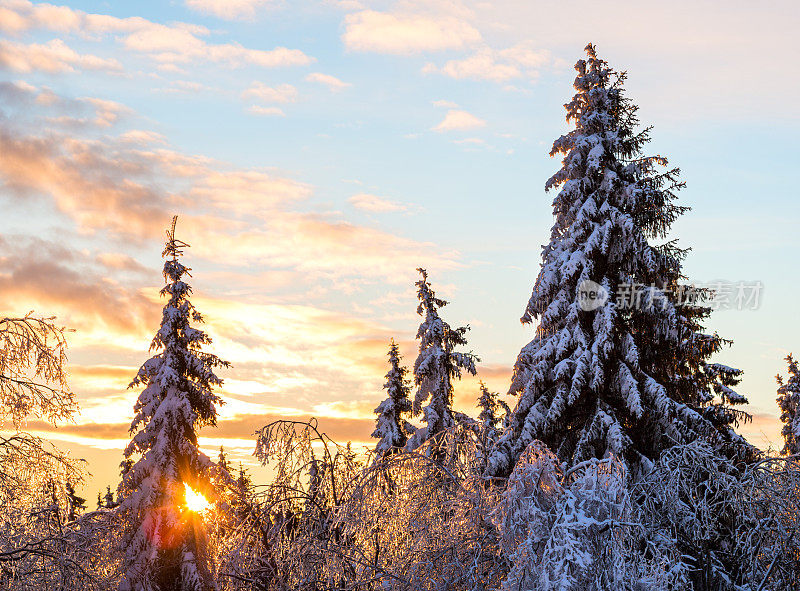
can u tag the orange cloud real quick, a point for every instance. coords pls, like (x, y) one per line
(128, 188)
(53, 279)
(242, 428)
(312, 243)
(85, 181)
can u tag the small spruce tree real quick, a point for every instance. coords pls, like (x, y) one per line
(165, 543)
(489, 418)
(108, 499)
(391, 429)
(76, 504)
(437, 366)
(789, 403)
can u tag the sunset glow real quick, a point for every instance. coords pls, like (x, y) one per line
(318, 153)
(195, 501)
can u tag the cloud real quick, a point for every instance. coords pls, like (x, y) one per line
(247, 192)
(239, 431)
(445, 104)
(228, 9)
(142, 137)
(266, 111)
(52, 57)
(314, 244)
(106, 112)
(402, 34)
(87, 181)
(57, 280)
(177, 43)
(283, 93)
(330, 81)
(73, 114)
(495, 65)
(173, 45)
(185, 86)
(128, 188)
(459, 120)
(375, 204)
(475, 141)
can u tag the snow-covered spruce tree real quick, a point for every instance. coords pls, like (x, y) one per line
(391, 429)
(489, 418)
(789, 403)
(682, 365)
(611, 374)
(437, 365)
(164, 543)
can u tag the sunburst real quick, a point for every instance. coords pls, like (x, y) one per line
(195, 501)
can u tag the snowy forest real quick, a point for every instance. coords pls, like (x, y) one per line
(617, 467)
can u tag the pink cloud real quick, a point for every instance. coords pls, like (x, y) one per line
(456, 120)
(406, 33)
(167, 44)
(52, 57)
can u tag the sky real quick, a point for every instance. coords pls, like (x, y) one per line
(317, 153)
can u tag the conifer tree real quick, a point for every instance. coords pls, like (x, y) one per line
(222, 460)
(76, 504)
(489, 418)
(437, 365)
(789, 403)
(242, 486)
(613, 353)
(391, 429)
(164, 543)
(108, 499)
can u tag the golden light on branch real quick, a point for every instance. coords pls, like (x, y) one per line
(195, 501)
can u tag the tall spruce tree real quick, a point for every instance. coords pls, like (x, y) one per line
(617, 365)
(391, 429)
(164, 543)
(437, 366)
(789, 403)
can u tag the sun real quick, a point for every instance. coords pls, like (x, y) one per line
(195, 501)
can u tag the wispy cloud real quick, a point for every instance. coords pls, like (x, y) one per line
(331, 82)
(375, 204)
(266, 111)
(456, 120)
(283, 93)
